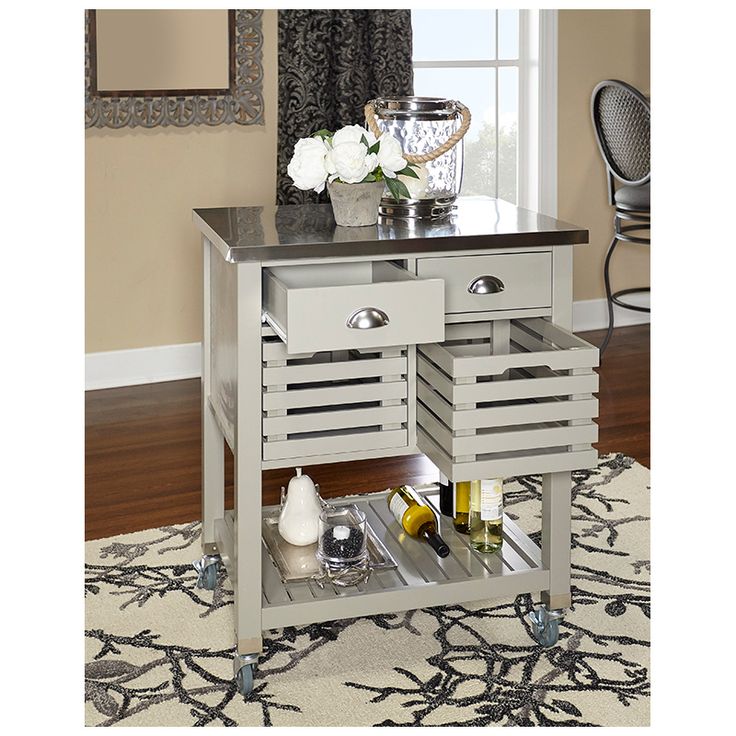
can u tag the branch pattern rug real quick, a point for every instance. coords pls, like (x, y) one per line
(159, 651)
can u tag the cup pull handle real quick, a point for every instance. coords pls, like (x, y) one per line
(367, 318)
(486, 285)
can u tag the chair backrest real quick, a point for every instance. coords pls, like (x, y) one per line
(621, 120)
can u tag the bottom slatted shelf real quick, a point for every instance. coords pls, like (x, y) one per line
(422, 578)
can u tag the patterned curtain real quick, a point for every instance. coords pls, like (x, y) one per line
(331, 62)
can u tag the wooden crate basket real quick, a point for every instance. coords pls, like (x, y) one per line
(522, 406)
(332, 402)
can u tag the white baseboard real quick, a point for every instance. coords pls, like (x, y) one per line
(143, 365)
(176, 362)
(593, 314)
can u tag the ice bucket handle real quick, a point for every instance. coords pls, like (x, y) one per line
(422, 158)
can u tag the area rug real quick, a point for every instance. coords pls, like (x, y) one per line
(159, 651)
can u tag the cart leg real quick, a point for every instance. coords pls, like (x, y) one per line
(213, 459)
(247, 453)
(556, 490)
(213, 474)
(556, 527)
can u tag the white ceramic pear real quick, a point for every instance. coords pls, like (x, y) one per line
(299, 519)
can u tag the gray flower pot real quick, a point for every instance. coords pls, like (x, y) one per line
(355, 204)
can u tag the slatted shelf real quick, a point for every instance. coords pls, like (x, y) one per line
(421, 579)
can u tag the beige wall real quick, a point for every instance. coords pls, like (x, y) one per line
(143, 270)
(596, 45)
(162, 49)
(143, 273)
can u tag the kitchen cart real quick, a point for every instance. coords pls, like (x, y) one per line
(450, 338)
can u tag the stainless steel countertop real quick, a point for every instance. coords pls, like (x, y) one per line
(287, 232)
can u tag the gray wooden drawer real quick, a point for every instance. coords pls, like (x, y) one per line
(352, 305)
(525, 279)
(529, 410)
(332, 403)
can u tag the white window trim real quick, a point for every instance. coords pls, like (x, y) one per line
(537, 144)
(487, 63)
(538, 111)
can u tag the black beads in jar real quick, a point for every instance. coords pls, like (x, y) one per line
(342, 536)
(342, 542)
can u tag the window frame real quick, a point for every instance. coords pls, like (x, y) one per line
(536, 174)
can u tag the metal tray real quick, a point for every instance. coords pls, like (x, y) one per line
(300, 563)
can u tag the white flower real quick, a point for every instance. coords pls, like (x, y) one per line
(307, 166)
(417, 187)
(390, 156)
(352, 134)
(350, 161)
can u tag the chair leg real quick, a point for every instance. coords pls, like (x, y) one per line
(609, 299)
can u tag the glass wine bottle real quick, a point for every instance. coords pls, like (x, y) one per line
(460, 519)
(447, 492)
(416, 517)
(486, 515)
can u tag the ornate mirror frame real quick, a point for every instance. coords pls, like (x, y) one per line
(241, 103)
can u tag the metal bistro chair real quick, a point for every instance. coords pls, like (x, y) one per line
(621, 122)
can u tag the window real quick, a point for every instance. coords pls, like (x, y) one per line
(501, 64)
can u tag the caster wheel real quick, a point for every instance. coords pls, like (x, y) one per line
(548, 635)
(209, 577)
(244, 679)
(546, 626)
(207, 567)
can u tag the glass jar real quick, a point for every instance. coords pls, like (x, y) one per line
(421, 125)
(342, 549)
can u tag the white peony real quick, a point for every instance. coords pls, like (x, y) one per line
(390, 156)
(418, 188)
(352, 134)
(350, 161)
(307, 166)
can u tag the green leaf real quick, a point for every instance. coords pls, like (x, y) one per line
(324, 133)
(403, 191)
(374, 148)
(398, 189)
(370, 177)
(407, 171)
(364, 140)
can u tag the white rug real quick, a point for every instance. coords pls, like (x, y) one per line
(159, 651)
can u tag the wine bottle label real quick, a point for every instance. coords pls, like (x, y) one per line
(491, 501)
(398, 507)
(491, 512)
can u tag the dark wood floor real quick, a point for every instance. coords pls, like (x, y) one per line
(143, 445)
